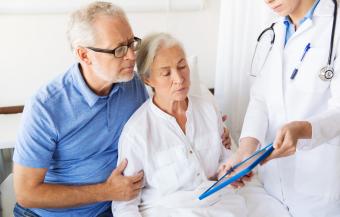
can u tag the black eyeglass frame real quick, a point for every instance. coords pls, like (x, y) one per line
(113, 51)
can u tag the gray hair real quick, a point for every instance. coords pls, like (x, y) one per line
(149, 48)
(80, 31)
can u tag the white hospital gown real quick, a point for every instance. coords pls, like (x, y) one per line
(177, 166)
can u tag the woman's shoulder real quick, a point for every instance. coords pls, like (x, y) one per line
(138, 119)
(202, 102)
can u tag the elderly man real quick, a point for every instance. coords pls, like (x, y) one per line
(66, 152)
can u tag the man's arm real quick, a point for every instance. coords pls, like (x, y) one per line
(32, 192)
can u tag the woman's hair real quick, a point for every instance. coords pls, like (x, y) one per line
(80, 30)
(148, 50)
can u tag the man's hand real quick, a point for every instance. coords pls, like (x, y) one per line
(119, 187)
(287, 137)
(32, 192)
(226, 141)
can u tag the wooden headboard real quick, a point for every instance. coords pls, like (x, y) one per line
(11, 109)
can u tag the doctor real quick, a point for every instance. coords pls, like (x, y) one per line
(296, 105)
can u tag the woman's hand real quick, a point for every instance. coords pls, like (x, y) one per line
(287, 137)
(235, 159)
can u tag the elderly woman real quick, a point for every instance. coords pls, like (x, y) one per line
(175, 139)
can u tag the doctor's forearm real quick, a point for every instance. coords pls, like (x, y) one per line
(297, 130)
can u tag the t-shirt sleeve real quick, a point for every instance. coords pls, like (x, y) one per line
(143, 93)
(37, 136)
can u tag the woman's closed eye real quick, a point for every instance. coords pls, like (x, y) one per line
(165, 72)
(180, 67)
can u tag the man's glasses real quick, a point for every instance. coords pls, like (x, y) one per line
(122, 50)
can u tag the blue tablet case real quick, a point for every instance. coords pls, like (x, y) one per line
(265, 152)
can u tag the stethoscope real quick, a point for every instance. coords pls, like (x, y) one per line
(326, 73)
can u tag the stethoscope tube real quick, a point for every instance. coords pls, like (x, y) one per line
(271, 27)
(327, 72)
(335, 14)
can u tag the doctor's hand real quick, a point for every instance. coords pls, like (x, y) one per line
(287, 138)
(235, 159)
(122, 188)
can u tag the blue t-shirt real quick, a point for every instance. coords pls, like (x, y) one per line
(74, 133)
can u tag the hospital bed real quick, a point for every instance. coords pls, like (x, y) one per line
(9, 124)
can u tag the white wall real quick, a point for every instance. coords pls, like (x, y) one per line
(34, 47)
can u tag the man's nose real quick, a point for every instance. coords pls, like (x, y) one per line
(131, 55)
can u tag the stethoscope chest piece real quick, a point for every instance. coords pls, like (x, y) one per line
(326, 73)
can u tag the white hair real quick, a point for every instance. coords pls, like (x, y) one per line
(149, 48)
(80, 31)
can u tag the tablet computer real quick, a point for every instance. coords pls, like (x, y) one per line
(253, 161)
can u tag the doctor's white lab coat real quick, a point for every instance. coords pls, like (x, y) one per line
(309, 181)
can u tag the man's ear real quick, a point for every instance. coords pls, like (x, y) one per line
(147, 81)
(82, 55)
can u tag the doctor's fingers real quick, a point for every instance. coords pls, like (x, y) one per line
(280, 136)
(278, 152)
(273, 155)
(288, 146)
(287, 149)
(284, 151)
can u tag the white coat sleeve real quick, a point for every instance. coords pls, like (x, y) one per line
(255, 123)
(130, 149)
(325, 125)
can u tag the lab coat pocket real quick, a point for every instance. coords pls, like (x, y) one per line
(317, 171)
(307, 80)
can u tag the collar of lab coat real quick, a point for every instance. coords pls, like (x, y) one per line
(325, 8)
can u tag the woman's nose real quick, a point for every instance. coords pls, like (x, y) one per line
(178, 77)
